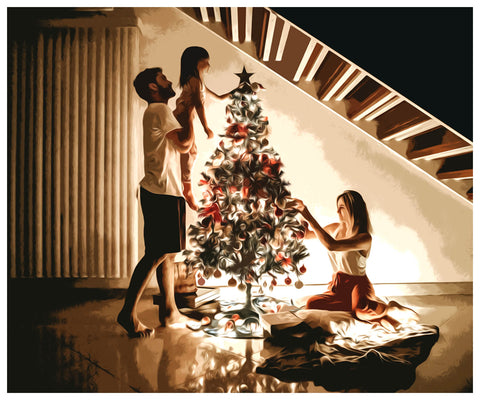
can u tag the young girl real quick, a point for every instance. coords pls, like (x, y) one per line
(194, 65)
(348, 243)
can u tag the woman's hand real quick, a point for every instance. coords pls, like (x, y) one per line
(297, 204)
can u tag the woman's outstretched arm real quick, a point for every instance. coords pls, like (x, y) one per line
(361, 241)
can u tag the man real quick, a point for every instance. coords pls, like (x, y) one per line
(162, 203)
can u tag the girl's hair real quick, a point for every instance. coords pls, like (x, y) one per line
(188, 64)
(358, 210)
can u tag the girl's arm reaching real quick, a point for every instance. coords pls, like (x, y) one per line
(217, 96)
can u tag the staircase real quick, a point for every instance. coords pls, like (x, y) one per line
(348, 90)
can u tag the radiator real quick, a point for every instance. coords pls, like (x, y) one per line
(74, 153)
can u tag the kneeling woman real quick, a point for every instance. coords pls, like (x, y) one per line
(348, 243)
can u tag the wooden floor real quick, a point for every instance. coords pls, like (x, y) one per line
(68, 341)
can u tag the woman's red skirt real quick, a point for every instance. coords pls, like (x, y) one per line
(349, 293)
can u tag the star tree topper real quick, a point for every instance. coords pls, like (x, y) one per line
(244, 76)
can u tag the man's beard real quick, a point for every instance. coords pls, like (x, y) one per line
(167, 92)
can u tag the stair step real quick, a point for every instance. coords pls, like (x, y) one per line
(437, 143)
(470, 194)
(457, 167)
(399, 120)
(460, 174)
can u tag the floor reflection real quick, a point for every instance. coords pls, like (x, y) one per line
(219, 371)
(76, 346)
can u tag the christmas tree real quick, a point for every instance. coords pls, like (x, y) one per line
(243, 229)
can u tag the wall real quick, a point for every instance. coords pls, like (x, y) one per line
(422, 232)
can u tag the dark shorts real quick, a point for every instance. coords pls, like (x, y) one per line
(164, 223)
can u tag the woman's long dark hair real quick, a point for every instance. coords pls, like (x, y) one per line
(358, 209)
(188, 64)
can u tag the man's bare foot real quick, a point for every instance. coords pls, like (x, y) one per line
(187, 193)
(401, 313)
(178, 320)
(134, 328)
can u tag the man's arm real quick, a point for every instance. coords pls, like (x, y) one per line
(183, 145)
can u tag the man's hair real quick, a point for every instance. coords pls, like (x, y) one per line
(188, 63)
(358, 210)
(142, 81)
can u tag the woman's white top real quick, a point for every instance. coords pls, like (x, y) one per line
(350, 262)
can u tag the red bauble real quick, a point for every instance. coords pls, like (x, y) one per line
(201, 281)
(235, 317)
(288, 281)
(229, 325)
(303, 269)
(274, 282)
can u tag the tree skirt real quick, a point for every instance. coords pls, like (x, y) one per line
(350, 354)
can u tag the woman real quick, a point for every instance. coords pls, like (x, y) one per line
(348, 243)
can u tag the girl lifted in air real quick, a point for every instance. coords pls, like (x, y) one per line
(194, 65)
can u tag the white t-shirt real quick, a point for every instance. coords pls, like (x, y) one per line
(351, 262)
(162, 159)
